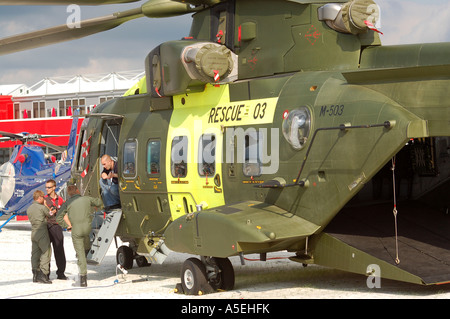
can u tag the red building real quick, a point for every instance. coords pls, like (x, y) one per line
(47, 126)
(6, 108)
(47, 106)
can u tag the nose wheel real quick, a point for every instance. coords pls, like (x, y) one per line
(206, 275)
(193, 277)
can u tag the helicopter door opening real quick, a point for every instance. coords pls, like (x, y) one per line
(109, 143)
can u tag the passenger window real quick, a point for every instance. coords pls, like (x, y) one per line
(153, 157)
(129, 158)
(179, 156)
(207, 155)
(252, 163)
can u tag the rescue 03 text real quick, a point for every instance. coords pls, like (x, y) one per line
(236, 308)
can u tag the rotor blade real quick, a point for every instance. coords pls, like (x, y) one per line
(200, 2)
(66, 32)
(26, 135)
(60, 2)
(56, 147)
(9, 135)
(51, 136)
(166, 8)
(38, 137)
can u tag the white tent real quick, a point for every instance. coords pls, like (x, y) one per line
(85, 83)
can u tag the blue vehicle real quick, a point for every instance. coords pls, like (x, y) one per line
(29, 168)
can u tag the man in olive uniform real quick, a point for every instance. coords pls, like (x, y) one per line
(79, 218)
(40, 240)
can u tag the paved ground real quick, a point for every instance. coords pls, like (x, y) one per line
(274, 279)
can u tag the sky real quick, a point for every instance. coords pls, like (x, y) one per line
(125, 47)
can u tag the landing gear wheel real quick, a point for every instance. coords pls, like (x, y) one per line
(222, 277)
(141, 261)
(193, 277)
(124, 257)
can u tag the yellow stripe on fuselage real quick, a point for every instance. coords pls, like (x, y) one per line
(207, 112)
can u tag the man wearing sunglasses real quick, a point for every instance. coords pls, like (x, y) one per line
(53, 201)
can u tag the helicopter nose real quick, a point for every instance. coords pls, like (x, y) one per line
(7, 183)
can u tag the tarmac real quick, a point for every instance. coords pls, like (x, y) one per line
(276, 278)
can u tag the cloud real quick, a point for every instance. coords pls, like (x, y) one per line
(125, 47)
(407, 21)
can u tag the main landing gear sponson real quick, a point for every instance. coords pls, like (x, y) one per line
(206, 275)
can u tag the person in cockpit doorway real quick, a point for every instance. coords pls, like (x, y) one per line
(109, 183)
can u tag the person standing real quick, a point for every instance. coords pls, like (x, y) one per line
(55, 231)
(40, 240)
(76, 214)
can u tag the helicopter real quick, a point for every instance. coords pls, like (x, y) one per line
(285, 126)
(29, 167)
